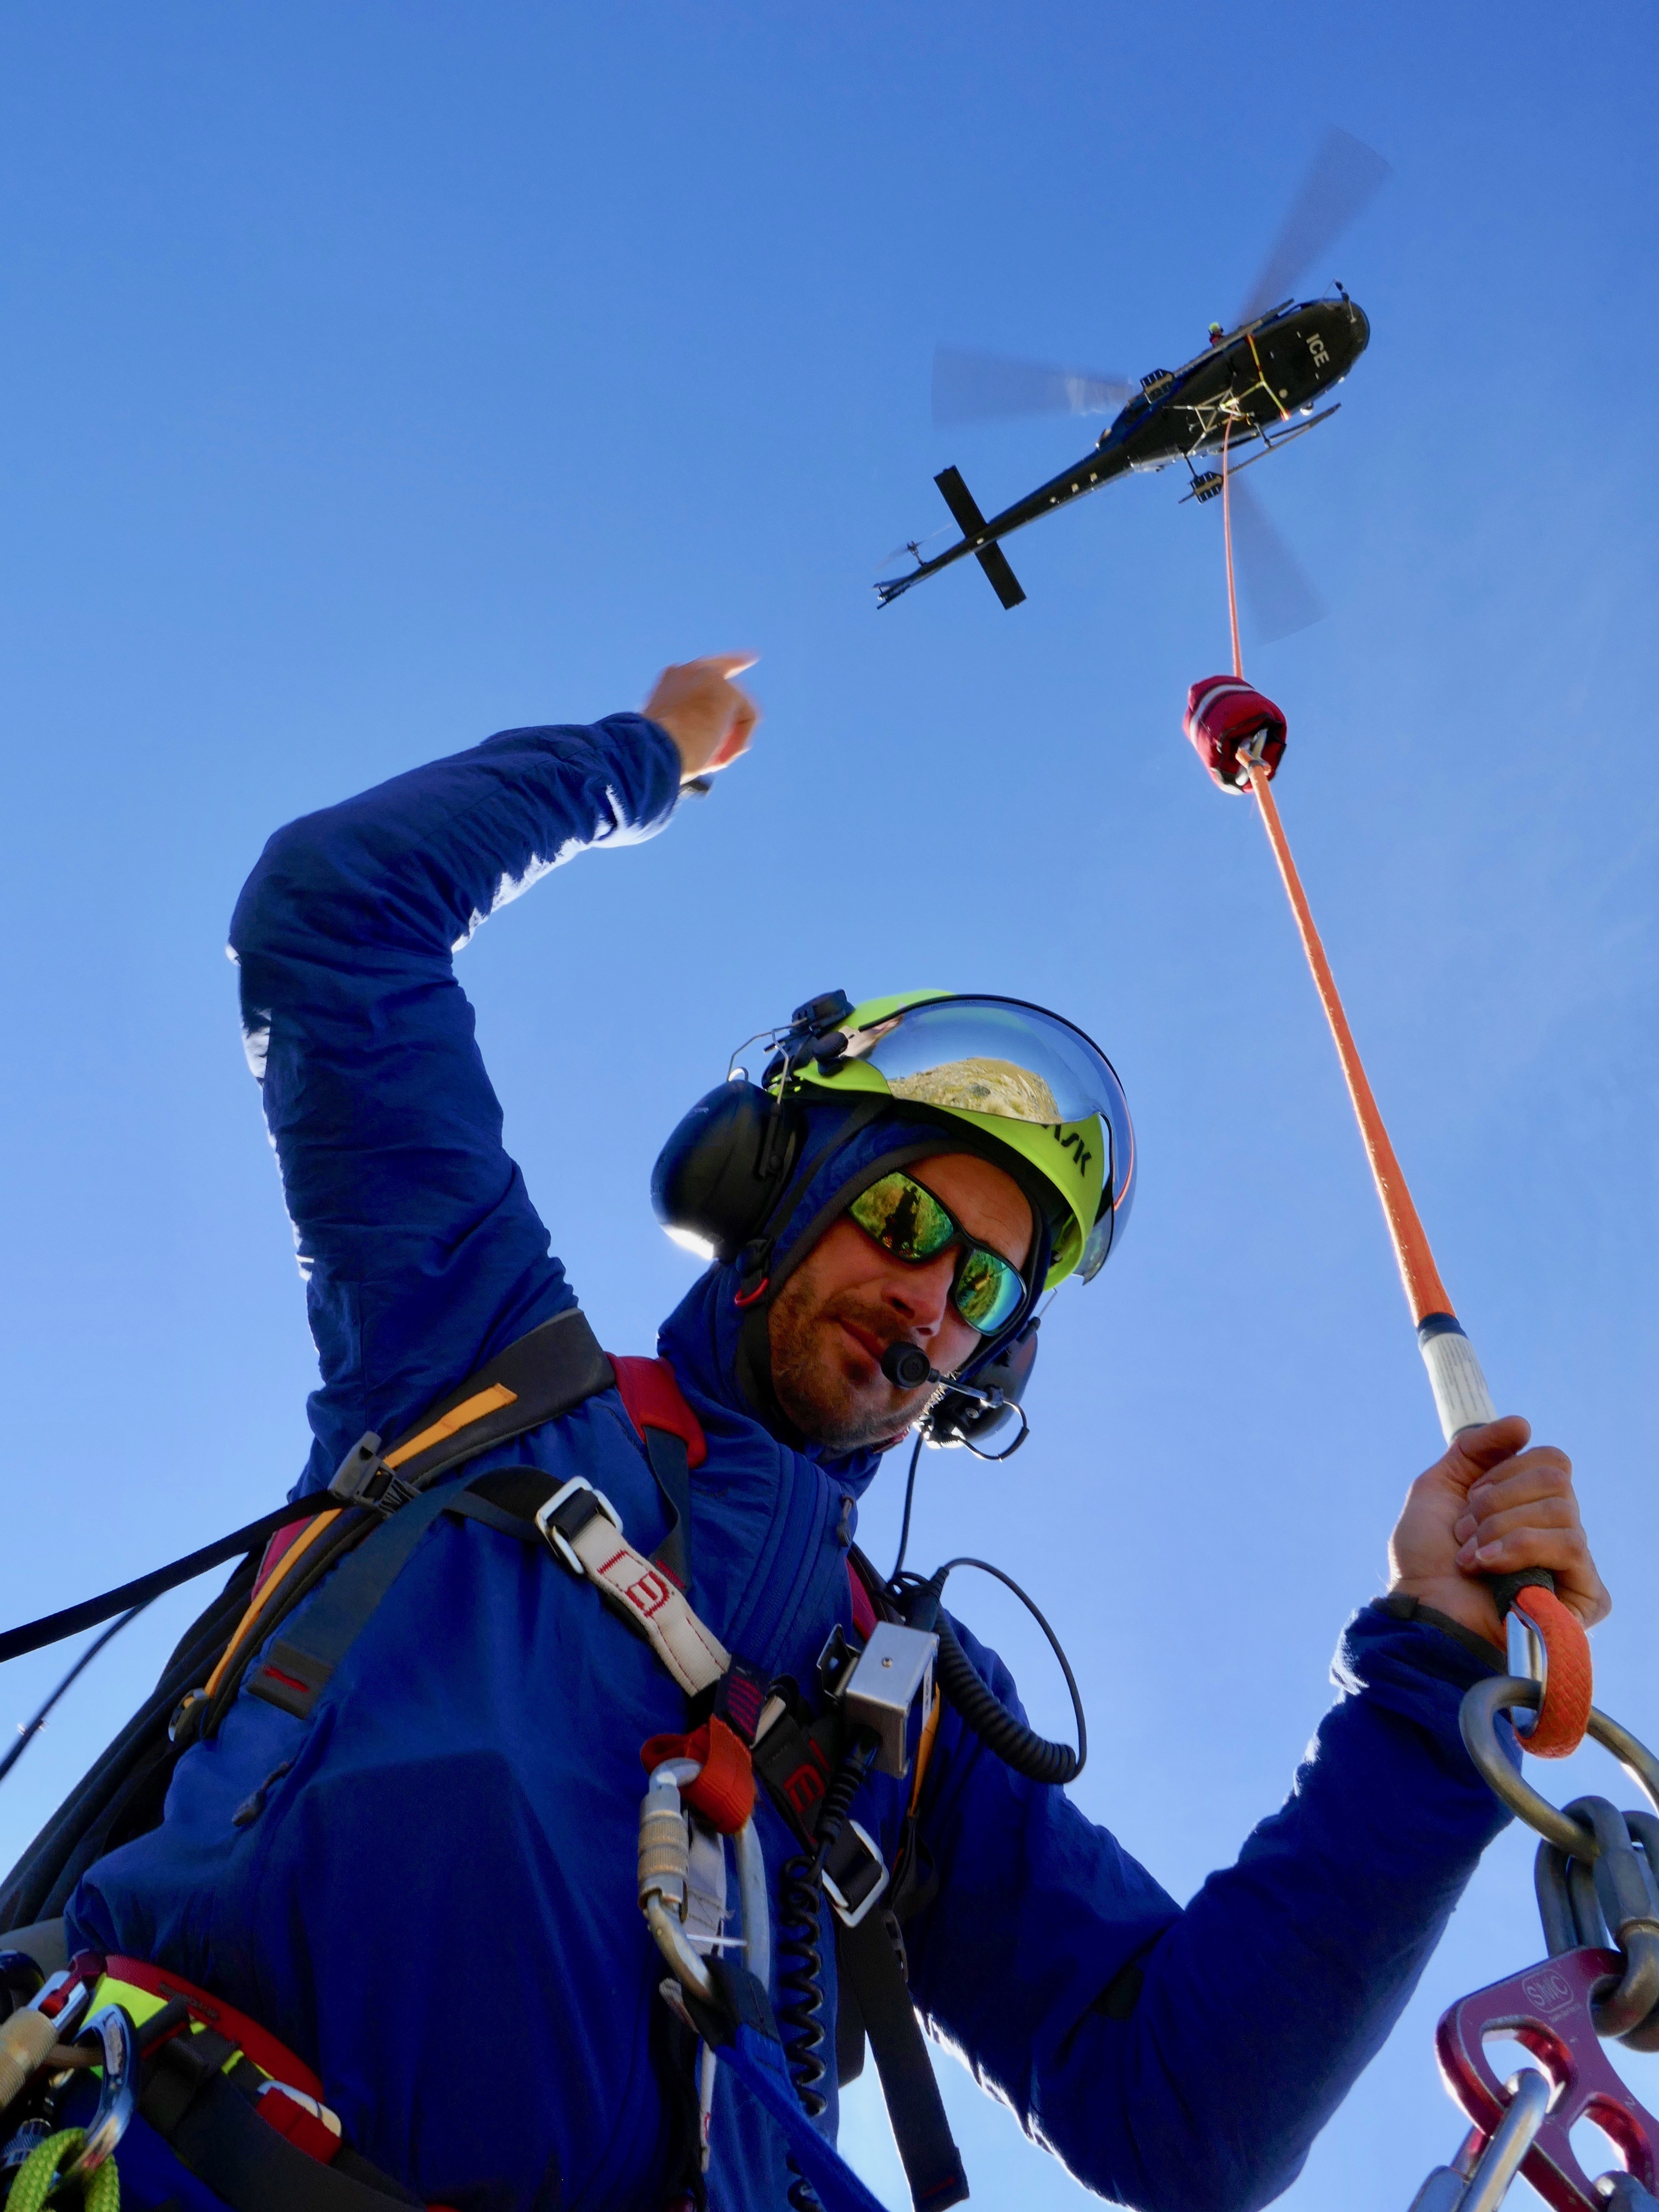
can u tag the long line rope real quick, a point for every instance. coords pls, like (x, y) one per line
(1461, 1391)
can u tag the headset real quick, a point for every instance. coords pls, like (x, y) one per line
(726, 1181)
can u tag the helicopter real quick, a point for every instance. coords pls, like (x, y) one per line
(1258, 385)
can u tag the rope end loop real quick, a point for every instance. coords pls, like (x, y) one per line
(1564, 1714)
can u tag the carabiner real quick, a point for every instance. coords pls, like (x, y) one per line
(119, 2099)
(664, 1860)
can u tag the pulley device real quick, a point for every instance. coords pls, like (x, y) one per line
(1596, 1876)
(1240, 737)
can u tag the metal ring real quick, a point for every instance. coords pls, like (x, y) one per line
(1477, 1719)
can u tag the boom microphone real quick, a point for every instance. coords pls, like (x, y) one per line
(906, 1367)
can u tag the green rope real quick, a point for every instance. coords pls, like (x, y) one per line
(37, 2176)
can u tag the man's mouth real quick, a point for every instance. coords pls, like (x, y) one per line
(869, 1345)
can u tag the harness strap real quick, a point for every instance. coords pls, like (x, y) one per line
(644, 1594)
(297, 1668)
(670, 1467)
(536, 1379)
(932, 2162)
(221, 2136)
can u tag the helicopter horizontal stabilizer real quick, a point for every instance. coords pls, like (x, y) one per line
(991, 558)
(1004, 582)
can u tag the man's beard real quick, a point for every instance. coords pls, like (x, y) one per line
(809, 1382)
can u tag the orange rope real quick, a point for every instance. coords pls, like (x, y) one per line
(1424, 1291)
(1564, 1714)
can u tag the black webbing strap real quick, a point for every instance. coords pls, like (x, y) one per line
(53, 1627)
(216, 2130)
(794, 1764)
(553, 1368)
(932, 2164)
(549, 1371)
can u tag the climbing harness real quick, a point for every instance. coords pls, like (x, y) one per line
(111, 2051)
(1596, 1876)
(1240, 736)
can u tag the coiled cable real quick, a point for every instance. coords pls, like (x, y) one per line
(800, 1925)
(1001, 1731)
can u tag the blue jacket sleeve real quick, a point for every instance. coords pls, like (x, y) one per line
(421, 1251)
(1184, 2061)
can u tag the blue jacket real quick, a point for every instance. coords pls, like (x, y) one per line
(435, 1907)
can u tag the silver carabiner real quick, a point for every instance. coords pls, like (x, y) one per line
(665, 1861)
(119, 2099)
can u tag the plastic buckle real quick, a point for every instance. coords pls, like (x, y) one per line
(558, 1532)
(854, 1875)
(362, 1478)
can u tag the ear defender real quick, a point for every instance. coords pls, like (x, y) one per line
(720, 1173)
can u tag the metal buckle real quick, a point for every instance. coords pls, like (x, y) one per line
(858, 1884)
(558, 1542)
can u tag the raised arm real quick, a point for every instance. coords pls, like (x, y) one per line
(421, 1252)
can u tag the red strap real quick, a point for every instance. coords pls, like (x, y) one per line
(278, 1549)
(261, 2047)
(863, 1611)
(724, 1793)
(651, 1393)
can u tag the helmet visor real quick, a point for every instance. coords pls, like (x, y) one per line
(989, 1056)
(1016, 1062)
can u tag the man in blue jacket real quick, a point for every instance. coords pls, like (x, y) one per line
(412, 1858)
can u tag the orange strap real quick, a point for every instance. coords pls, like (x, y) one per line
(1424, 1291)
(724, 1793)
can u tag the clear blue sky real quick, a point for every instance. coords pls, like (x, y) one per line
(377, 376)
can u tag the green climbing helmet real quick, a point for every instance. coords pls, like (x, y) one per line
(1010, 1071)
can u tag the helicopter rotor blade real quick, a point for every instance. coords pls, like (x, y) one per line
(1342, 179)
(981, 387)
(1281, 595)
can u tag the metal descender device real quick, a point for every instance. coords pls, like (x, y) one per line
(1596, 1876)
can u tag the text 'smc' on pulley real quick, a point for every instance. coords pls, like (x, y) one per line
(1240, 737)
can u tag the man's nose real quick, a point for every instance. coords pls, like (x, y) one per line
(920, 1294)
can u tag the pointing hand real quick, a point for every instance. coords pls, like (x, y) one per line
(709, 718)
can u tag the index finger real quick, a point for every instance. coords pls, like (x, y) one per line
(727, 664)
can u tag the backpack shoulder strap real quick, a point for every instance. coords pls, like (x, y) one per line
(541, 1375)
(536, 1379)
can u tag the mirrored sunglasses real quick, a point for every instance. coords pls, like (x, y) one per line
(905, 1218)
